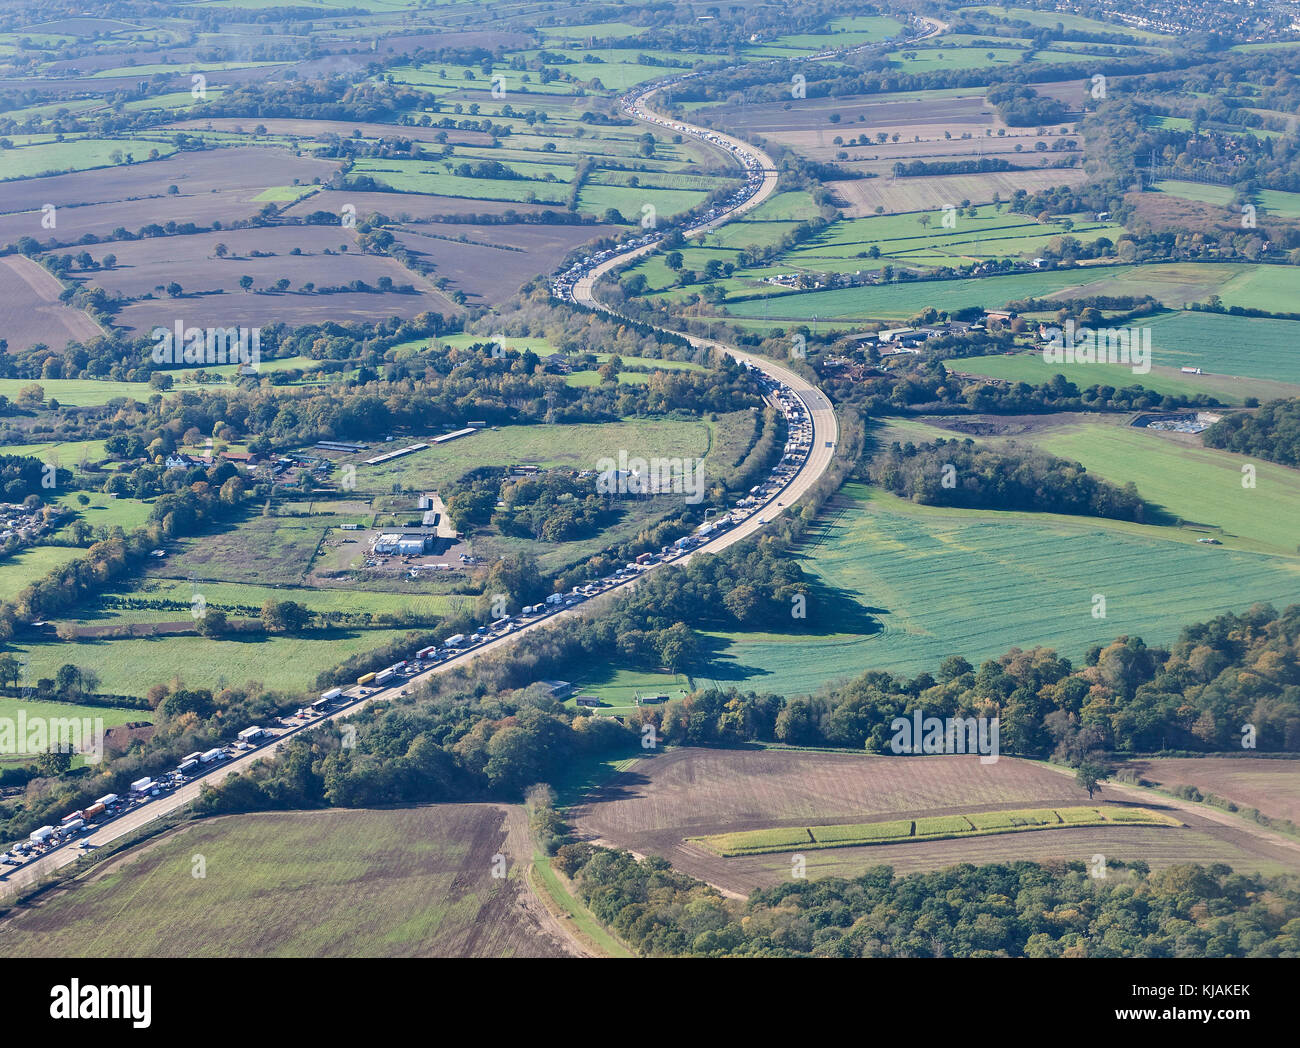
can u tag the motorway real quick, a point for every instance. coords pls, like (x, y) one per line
(825, 433)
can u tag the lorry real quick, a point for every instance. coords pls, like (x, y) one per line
(366, 678)
(108, 800)
(555, 598)
(384, 676)
(332, 694)
(645, 558)
(250, 734)
(425, 653)
(42, 835)
(95, 809)
(142, 785)
(214, 754)
(454, 641)
(185, 767)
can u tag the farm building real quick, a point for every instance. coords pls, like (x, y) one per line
(403, 545)
(559, 689)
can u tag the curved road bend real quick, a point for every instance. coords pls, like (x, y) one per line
(825, 432)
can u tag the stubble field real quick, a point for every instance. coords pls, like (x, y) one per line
(413, 882)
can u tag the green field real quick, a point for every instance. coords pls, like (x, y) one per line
(78, 155)
(929, 582)
(132, 666)
(903, 300)
(22, 568)
(577, 446)
(1201, 485)
(1164, 378)
(413, 882)
(112, 716)
(942, 827)
(618, 688)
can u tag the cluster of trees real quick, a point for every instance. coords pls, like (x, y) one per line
(463, 742)
(428, 391)
(23, 475)
(1019, 909)
(1272, 432)
(953, 167)
(927, 386)
(962, 473)
(184, 720)
(551, 506)
(1021, 106)
(181, 511)
(1198, 696)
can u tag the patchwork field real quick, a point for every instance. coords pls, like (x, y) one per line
(413, 882)
(660, 801)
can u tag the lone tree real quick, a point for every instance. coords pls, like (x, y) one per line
(1090, 775)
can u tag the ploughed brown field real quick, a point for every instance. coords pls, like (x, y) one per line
(496, 259)
(653, 806)
(1270, 786)
(211, 295)
(213, 185)
(30, 311)
(921, 124)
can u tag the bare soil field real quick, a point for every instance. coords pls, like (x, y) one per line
(258, 309)
(1270, 786)
(402, 207)
(805, 126)
(30, 311)
(213, 185)
(862, 196)
(498, 258)
(1162, 210)
(652, 807)
(964, 113)
(409, 882)
(212, 295)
